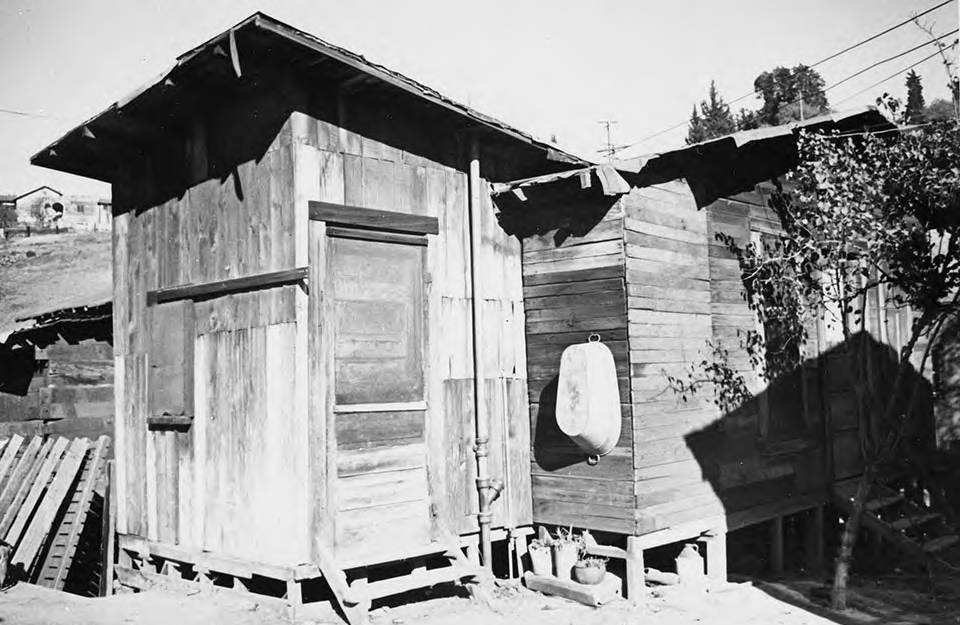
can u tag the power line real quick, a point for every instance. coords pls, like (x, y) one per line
(820, 62)
(880, 34)
(23, 113)
(893, 58)
(892, 76)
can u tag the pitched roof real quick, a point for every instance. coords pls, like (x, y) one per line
(220, 62)
(32, 191)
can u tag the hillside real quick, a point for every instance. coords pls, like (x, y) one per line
(47, 272)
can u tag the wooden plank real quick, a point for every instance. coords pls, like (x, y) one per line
(169, 422)
(16, 516)
(219, 288)
(606, 591)
(91, 475)
(47, 509)
(9, 454)
(108, 530)
(378, 429)
(376, 235)
(356, 462)
(19, 470)
(355, 216)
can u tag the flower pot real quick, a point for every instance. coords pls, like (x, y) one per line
(540, 561)
(590, 575)
(565, 555)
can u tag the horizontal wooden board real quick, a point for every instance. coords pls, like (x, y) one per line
(606, 230)
(574, 275)
(395, 458)
(573, 264)
(583, 491)
(383, 488)
(338, 214)
(357, 430)
(566, 514)
(222, 287)
(600, 248)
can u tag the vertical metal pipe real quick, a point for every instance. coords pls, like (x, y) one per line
(481, 416)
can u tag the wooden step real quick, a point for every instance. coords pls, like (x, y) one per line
(915, 521)
(417, 579)
(883, 502)
(939, 544)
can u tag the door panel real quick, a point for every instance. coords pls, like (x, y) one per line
(383, 500)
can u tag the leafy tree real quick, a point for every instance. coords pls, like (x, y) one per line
(914, 113)
(863, 213)
(789, 94)
(8, 216)
(713, 120)
(940, 110)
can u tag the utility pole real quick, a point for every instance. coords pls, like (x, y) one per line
(610, 150)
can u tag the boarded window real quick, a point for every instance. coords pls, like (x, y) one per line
(378, 302)
(170, 383)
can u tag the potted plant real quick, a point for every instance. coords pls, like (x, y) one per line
(540, 558)
(566, 551)
(590, 570)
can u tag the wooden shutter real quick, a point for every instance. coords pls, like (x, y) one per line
(170, 382)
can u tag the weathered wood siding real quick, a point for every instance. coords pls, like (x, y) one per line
(654, 282)
(572, 289)
(668, 288)
(268, 472)
(773, 451)
(235, 481)
(399, 479)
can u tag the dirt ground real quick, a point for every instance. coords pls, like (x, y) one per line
(50, 271)
(798, 601)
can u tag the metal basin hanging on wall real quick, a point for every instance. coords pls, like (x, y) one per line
(588, 398)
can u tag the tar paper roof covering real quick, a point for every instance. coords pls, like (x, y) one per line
(721, 166)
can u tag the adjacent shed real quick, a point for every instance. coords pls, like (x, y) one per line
(318, 323)
(628, 251)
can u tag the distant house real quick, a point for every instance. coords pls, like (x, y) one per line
(39, 205)
(85, 213)
(46, 206)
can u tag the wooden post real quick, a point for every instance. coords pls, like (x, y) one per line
(520, 550)
(294, 593)
(813, 539)
(635, 578)
(776, 545)
(108, 530)
(716, 542)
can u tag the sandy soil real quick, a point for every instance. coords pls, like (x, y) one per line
(787, 602)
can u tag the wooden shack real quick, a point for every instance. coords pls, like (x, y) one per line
(318, 323)
(628, 251)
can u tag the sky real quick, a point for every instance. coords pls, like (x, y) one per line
(552, 68)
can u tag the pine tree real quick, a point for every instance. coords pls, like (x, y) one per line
(713, 120)
(914, 113)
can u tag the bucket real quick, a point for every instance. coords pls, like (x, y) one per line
(588, 398)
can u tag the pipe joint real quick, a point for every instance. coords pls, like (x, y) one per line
(490, 490)
(481, 448)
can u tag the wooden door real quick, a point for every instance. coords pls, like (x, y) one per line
(377, 289)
